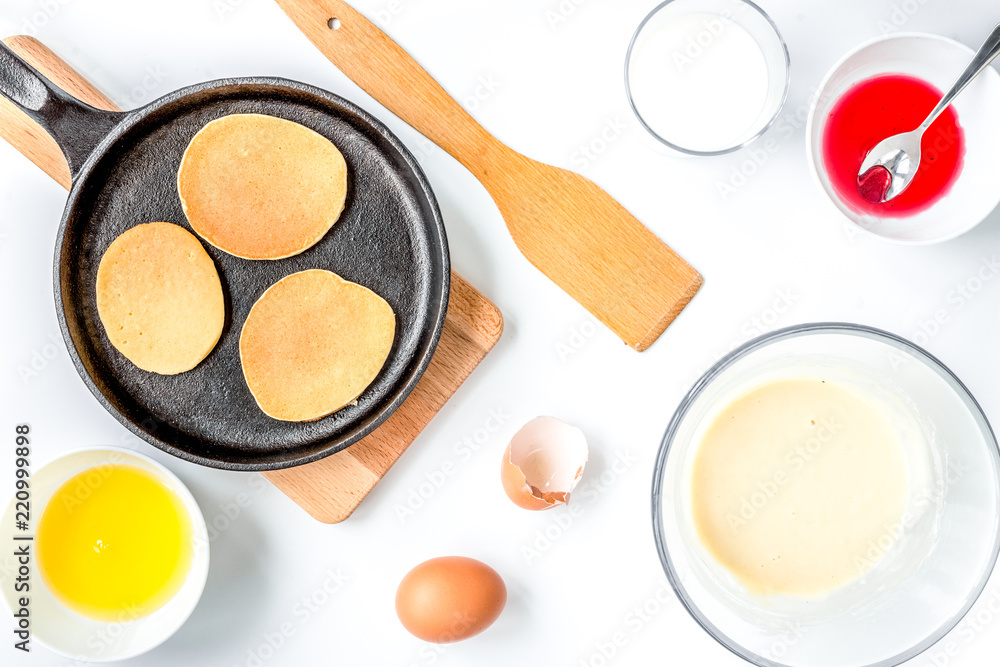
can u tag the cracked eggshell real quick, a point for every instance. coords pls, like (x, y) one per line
(543, 463)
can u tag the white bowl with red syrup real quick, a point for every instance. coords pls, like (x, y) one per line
(887, 86)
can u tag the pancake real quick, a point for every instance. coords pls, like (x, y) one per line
(313, 343)
(261, 187)
(159, 298)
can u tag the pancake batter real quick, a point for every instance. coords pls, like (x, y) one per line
(798, 486)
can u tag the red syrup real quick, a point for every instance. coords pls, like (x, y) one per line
(874, 184)
(876, 109)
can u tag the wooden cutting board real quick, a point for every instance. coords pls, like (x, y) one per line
(332, 488)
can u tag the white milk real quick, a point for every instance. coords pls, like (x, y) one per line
(699, 81)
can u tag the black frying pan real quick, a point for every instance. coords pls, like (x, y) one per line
(390, 238)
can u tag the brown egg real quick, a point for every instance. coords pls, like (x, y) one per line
(449, 599)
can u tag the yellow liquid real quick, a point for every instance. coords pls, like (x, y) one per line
(114, 543)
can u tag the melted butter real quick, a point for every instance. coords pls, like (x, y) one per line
(114, 543)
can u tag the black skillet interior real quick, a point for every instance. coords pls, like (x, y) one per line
(390, 239)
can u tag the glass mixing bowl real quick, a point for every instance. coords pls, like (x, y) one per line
(947, 541)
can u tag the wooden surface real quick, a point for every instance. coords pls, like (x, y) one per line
(570, 229)
(330, 489)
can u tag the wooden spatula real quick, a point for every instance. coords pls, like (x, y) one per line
(570, 229)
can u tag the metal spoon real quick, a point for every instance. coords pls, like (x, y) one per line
(889, 167)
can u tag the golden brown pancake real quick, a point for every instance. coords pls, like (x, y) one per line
(261, 187)
(159, 298)
(313, 343)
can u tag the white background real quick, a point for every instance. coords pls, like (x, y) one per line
(558, 85)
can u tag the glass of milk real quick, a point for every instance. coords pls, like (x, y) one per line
(707, 77)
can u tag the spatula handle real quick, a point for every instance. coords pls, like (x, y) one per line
(385, 71)
(984, 56)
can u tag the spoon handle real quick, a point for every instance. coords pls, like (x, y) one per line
(984, 56)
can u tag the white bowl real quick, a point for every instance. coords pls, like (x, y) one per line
(63, 631)
(945, 547)
(938, 61)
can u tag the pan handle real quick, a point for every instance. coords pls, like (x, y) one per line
(77, 127)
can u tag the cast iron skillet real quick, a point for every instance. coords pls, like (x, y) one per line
(390, 238)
